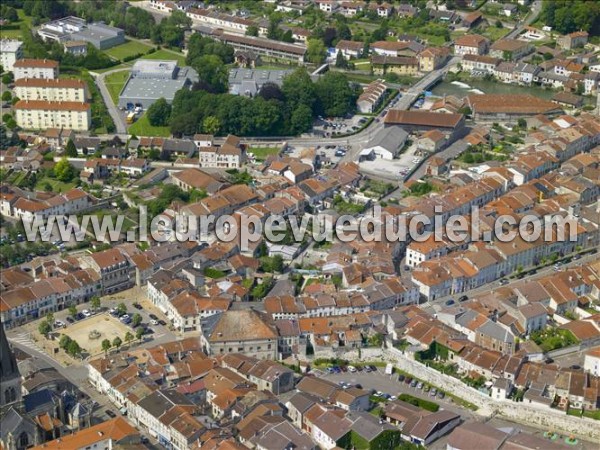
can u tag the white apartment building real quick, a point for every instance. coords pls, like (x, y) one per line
(10, 52)
(35, 68)
(51, 90)
(39, 114)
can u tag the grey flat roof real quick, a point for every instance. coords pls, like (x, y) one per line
(154, 88)
(155, 65)
(237, 76)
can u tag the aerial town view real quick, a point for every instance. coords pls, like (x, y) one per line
(300, 224)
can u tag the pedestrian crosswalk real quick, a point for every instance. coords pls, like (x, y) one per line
(25, 340)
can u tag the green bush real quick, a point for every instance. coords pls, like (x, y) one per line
(424, 404)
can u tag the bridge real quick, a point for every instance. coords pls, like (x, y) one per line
(324, 68)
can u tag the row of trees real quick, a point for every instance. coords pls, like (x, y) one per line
(288, 110)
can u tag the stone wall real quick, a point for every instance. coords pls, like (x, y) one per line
(538, 416)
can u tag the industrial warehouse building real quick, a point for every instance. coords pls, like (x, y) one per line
(248, 82)
(71, 28)
(153, 79)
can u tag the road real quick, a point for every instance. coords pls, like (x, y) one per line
(114, 112)
(536, 8)
(488, 287)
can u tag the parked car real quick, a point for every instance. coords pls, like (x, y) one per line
(79, 316)
(154, 322)
(162, 322)
(113, 312)
(59, 324)
(86, 313)
(70, 319)
(441, 394)
(368, 369)
(153, 316)
(137, 306)
(352, 369)
(110, 414)
(420, 385)
(414, 383)
(401, 378)
(449, 302)
(408, 380)
(463, 298)
(503, 282)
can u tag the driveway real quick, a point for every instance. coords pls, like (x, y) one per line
(114, 112)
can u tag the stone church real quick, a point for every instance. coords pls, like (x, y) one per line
(38, 416)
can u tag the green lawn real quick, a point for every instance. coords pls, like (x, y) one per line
(143, 128)
(115, 82)
(129, 48)
(13, 30)
(57, 186)
(493, 33)
(261, 153)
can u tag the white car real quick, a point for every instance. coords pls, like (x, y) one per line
(86, 313)
(154, 322)
(352, 369)
(59, 324)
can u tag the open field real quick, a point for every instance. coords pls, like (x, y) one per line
(129, 48)
(143, 128)
(114, 83)
(108, 326)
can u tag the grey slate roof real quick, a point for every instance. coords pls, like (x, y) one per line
(390, 138)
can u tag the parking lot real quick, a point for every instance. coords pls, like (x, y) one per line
(391, 386)
(329, 126)
(394, 169)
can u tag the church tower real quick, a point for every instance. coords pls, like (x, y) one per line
(10, 378)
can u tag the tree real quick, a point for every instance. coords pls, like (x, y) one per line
(106, 345)
(212, 73)
(70, 149)
(73, 348)
(301, 120)
(7, 78)
(336, 96)
(6, 96)
(272, 263)
(44, 328)
(64, 171)
(121, 309)
(117, 342)
(252, 30)
(64, 342)
(50, 318)
(73, 310)
(128, 337)
(340, 61)
(316, 51)
(522, 123)
(139, 333)
(95, 302)
(159, 113)
(270, 91)
(136, 319)
(211, 125)
(499, 23)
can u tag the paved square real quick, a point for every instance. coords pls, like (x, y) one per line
(108, 326)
